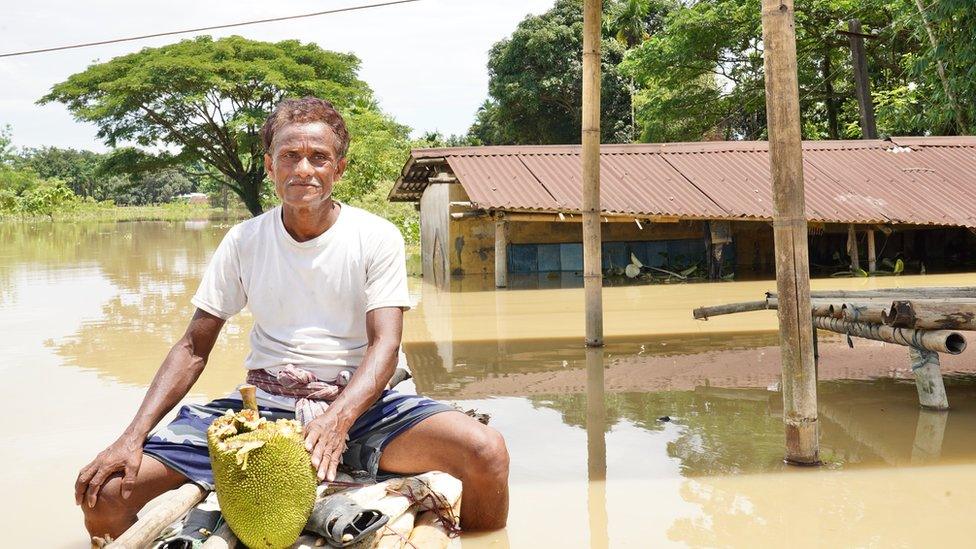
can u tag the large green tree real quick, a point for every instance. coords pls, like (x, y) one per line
(701, 74)
(535, 83)
(204, 100)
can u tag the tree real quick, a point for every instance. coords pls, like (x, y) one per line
(77, 169)
(535, 83)
(701, 74)
(945, 67)
(206, 100)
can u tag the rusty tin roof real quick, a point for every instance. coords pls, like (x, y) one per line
(904, 180)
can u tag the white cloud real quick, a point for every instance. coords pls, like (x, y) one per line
(425, 60)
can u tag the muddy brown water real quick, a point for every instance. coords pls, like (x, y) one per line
(671, 435)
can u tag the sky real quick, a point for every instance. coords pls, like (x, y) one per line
(425, 61)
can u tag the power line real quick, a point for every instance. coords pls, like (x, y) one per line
(200, 29)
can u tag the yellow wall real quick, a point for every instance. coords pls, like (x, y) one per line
(466, 247)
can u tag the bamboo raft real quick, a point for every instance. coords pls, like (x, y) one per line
(423, 512)
(926, 320)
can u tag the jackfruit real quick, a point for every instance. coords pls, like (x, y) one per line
(264, 477)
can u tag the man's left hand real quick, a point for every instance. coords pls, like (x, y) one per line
(325, 439)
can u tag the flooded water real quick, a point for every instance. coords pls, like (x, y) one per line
(671, 435)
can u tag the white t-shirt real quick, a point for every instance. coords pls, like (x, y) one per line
(309, 299)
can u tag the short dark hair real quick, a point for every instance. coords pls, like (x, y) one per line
(303, 111)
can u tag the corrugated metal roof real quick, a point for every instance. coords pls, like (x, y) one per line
(910, 180)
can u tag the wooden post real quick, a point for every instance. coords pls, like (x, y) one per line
(872, 255)
(869, 129)
(928, 379)
(501, 253)
(790, 233)
(592, 253)
(852, 250)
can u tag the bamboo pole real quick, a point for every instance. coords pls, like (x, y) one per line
(702, 313)
(790, 233)
(928, 379)
(861, 312)
(895, 293)
(940, 341)
(501, 253)
(932, 315)
(592, 254)
(172, 506)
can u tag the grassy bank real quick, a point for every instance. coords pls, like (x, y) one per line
(100, 212)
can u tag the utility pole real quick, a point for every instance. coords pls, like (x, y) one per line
(790, 234)
(869, 130)
(592, 253)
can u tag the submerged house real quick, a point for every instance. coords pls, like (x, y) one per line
(510, 215)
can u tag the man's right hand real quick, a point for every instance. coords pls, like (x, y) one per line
(124, 455)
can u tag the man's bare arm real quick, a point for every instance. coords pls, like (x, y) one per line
(325, 437)
(177, 374)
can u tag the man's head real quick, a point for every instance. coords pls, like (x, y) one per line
(305, 143)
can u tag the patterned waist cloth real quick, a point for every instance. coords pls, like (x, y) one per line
(313, 394)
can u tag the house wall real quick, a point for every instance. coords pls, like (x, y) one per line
(752, 240)
(453, 248)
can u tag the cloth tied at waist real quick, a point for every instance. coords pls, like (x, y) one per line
(313, 394)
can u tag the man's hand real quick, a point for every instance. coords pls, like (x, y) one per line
(123, 455)
(325, 439)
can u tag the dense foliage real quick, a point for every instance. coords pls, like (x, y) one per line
(206, 99)
(535, 85)
(686, 71)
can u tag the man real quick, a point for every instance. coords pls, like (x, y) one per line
(326, 285)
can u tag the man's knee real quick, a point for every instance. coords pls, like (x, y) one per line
(487, 455)
(111, 514)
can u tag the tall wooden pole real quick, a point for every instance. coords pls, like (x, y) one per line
(790, 233)
(869, 130)
(592, 254)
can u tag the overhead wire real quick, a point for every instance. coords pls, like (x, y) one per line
(208, 28)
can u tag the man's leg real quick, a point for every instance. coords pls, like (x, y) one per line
(113, 515)
(459, 445)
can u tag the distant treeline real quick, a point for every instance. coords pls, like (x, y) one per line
(47, 180)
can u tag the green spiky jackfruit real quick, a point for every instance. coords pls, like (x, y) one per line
(264, 478)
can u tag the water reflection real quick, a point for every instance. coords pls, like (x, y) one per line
(596, 447)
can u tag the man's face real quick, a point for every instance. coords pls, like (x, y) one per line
(303, 163)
